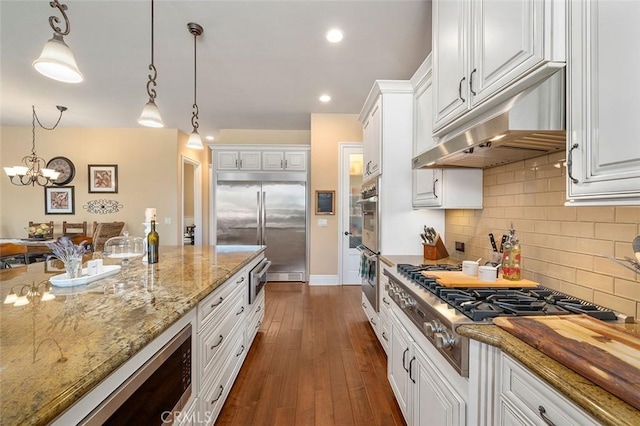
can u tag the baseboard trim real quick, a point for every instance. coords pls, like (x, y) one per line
(323, 280)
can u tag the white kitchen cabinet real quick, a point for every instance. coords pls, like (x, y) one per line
(438, 188)
(255, 317)
(482, 46)
(372, 141)
(603, 155)
(384, 302)
(527, 400)
(372, 315)
(284, 160)
(238, 160)
(426, 391)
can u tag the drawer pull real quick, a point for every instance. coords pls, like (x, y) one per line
(240, 281)
(241, 350)
(259, 308)
(363, 305)
(241, 311)
(404, 354)
(218, 397)
(543, 414)
(213, 305)
(259, 323)
(385, 301)
(411, 369)
(218, 344)
(384, 336)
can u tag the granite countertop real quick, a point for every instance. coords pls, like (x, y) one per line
(602, 405)
(52, 352)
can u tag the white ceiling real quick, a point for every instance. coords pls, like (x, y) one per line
(261, 64)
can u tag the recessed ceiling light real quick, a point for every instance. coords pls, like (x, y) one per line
(209, 138)
(324, 98)
(335, 35)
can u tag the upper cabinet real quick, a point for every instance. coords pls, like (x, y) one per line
(603, 153)
(437, 188)
(260, 158)
(482, 46)
(372, 141)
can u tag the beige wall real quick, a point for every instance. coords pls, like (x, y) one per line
(327, 131)
(251, 136)
(149, 174)
(564, 248)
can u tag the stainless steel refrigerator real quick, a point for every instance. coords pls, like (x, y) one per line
(269, 211)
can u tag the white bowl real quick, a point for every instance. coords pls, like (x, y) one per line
(470, 267)
(487, 273)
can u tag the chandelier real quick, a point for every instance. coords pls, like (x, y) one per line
(33, 169)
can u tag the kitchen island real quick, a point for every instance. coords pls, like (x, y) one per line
(52, 352)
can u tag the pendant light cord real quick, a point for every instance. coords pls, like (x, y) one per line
(151, 84)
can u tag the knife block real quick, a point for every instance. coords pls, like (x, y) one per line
(435, 251)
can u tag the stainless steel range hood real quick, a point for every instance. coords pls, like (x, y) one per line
(530, 124)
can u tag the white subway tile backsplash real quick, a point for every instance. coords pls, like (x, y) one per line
(564, 248)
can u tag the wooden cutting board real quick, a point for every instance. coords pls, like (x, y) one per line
(458, 279)
(604, 354)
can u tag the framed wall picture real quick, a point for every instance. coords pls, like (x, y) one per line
(59, 200)
(325, 202)
(103, 178)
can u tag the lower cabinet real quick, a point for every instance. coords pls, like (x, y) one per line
(254, 318)
(372, 315)
(424, 393)
(524, 399)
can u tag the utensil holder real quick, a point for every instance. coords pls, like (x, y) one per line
(435, 251)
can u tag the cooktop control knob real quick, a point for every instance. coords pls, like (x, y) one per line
(432, 327)
(444, 340)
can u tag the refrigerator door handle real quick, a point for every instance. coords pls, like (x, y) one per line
(264, 218)
(258, 220)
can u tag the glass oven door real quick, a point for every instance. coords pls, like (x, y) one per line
(369, 274)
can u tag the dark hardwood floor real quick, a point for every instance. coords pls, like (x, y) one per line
(315, 361)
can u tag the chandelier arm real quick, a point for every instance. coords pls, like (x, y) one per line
(53, 20)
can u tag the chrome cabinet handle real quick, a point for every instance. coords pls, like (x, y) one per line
(411, 369)
(218, 397)
(213, 305)
(241, 311)
(434, 188)
(460, 89)
(545, 418)
(570, 163)
(471, 82)
(404, 354)
(218, 344)
(241, 350)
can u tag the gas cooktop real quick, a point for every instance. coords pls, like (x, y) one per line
(480, 304)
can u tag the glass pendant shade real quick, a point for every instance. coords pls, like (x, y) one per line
(150, 116)
(195, 142)
(57, 62)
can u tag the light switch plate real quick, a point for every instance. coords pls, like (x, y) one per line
(167, 221)
(322, 222)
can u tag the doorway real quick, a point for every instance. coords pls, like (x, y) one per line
(191, 229)
(350, 237)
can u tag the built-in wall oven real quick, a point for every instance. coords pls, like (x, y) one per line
(370, 240)
(258, 278)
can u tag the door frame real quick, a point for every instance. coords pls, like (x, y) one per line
(343, 201)
(197, 200)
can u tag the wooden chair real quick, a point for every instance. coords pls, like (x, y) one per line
(70, 229)
(36, 224)
(11, 254)
(103, 231)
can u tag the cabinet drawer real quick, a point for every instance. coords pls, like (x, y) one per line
(218, 301)
(215, 392)
(255, 318)
(535, 399)
(215, 341)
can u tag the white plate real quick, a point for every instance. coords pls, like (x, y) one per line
(63, 280)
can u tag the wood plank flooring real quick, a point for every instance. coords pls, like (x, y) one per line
(315, 361)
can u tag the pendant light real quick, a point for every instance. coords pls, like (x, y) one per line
(195, 142)
(56, 60)
(150, 116)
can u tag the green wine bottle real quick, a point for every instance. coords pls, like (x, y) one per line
(153, 243)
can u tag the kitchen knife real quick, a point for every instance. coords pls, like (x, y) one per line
(502, 241)
(493, 243)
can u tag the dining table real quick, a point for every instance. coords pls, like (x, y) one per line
(37, 249)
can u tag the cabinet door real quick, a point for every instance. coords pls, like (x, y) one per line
(250, 160)
(272, 160)
(296, 161)
(228, 160)
(603, 164)
(427, 184)
(372, 146)
(399, 356)
(450, 60)
(508, 40)
(435, 401)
